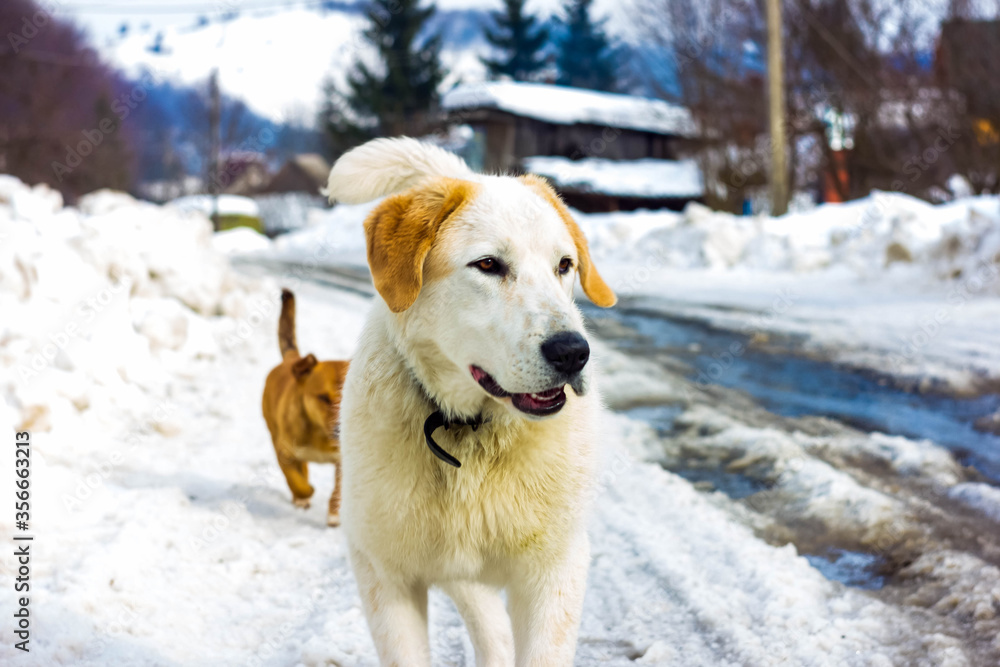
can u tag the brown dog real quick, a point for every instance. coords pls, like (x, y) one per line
(301, 405)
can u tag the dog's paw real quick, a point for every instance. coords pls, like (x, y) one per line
(333, 520)
(301, 502)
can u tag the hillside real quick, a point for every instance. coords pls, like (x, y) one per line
(281, 76)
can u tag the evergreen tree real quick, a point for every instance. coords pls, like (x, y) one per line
(520, 38)
(586, 57)
(399, 96)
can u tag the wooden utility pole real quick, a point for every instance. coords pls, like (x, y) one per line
(214, 122)
(776, 81)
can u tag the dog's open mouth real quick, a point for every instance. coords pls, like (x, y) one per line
(539, 404)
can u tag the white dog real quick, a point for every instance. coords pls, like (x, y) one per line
(467, 461)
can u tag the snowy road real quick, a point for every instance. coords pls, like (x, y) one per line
(693, 577)
(164, 533)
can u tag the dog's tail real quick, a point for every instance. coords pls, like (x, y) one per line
(286, 326)
(385, 166)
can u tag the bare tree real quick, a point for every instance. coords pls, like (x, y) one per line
(706, 45)
(874, 65)
(57, 105)
(968, 54)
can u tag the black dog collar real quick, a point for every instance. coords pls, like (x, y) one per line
(435, 421)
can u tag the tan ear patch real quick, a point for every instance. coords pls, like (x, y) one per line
(401, 231)
(593, 285)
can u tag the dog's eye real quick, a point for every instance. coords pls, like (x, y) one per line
(490, 265)
(325, 398)
(565, 264)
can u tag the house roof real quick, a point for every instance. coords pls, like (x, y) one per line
(624, 178)
(314, 166)
(567, 106)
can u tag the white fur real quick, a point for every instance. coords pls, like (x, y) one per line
(384, 166)
(512, 517)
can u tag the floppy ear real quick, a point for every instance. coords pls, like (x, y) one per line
(400, 233)
(593, 285)
(304, 366)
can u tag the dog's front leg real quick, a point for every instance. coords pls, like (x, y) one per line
(396, 613)
(333, 509)
(545, 602)
(486, 619)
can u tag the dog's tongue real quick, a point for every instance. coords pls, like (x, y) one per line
(539, 402)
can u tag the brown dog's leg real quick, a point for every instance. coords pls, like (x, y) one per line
(333, 513)
(297, 476)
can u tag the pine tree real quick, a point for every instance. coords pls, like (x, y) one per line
(520, 38)
(586, 57)
(399, 97)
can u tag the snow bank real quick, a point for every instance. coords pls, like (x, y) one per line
(331, 237)
(888, 282)
(285, 211)
(239, 240)
(887, 233)
(137, 358)
(223, 204)
(626, 178)
(95, 294)
(869, 236)
(982, 497)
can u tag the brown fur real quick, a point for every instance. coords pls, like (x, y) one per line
(593, 285)
(400, 233)
(301, 405)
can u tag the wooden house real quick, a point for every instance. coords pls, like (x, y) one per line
(591, 138)
(306, 172)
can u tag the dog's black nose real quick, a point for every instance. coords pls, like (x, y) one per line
(567, 351)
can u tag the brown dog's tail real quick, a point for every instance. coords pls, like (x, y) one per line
(286, 326)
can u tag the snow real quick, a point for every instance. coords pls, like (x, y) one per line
(331, 237)
(981, 497)
(626, 178)
(239, 240)
(223, 204)
(136, 355)
(288, 210)
(278, 75)
(568, 106)
(887, 282)
(275, 61)
(229, 41)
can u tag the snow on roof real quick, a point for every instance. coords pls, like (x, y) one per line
(626, 178)
(567, 106)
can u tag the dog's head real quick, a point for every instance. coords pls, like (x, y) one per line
(320, 383)
(480, 274)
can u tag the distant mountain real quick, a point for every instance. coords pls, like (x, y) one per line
(272, 65)
(276, 60)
